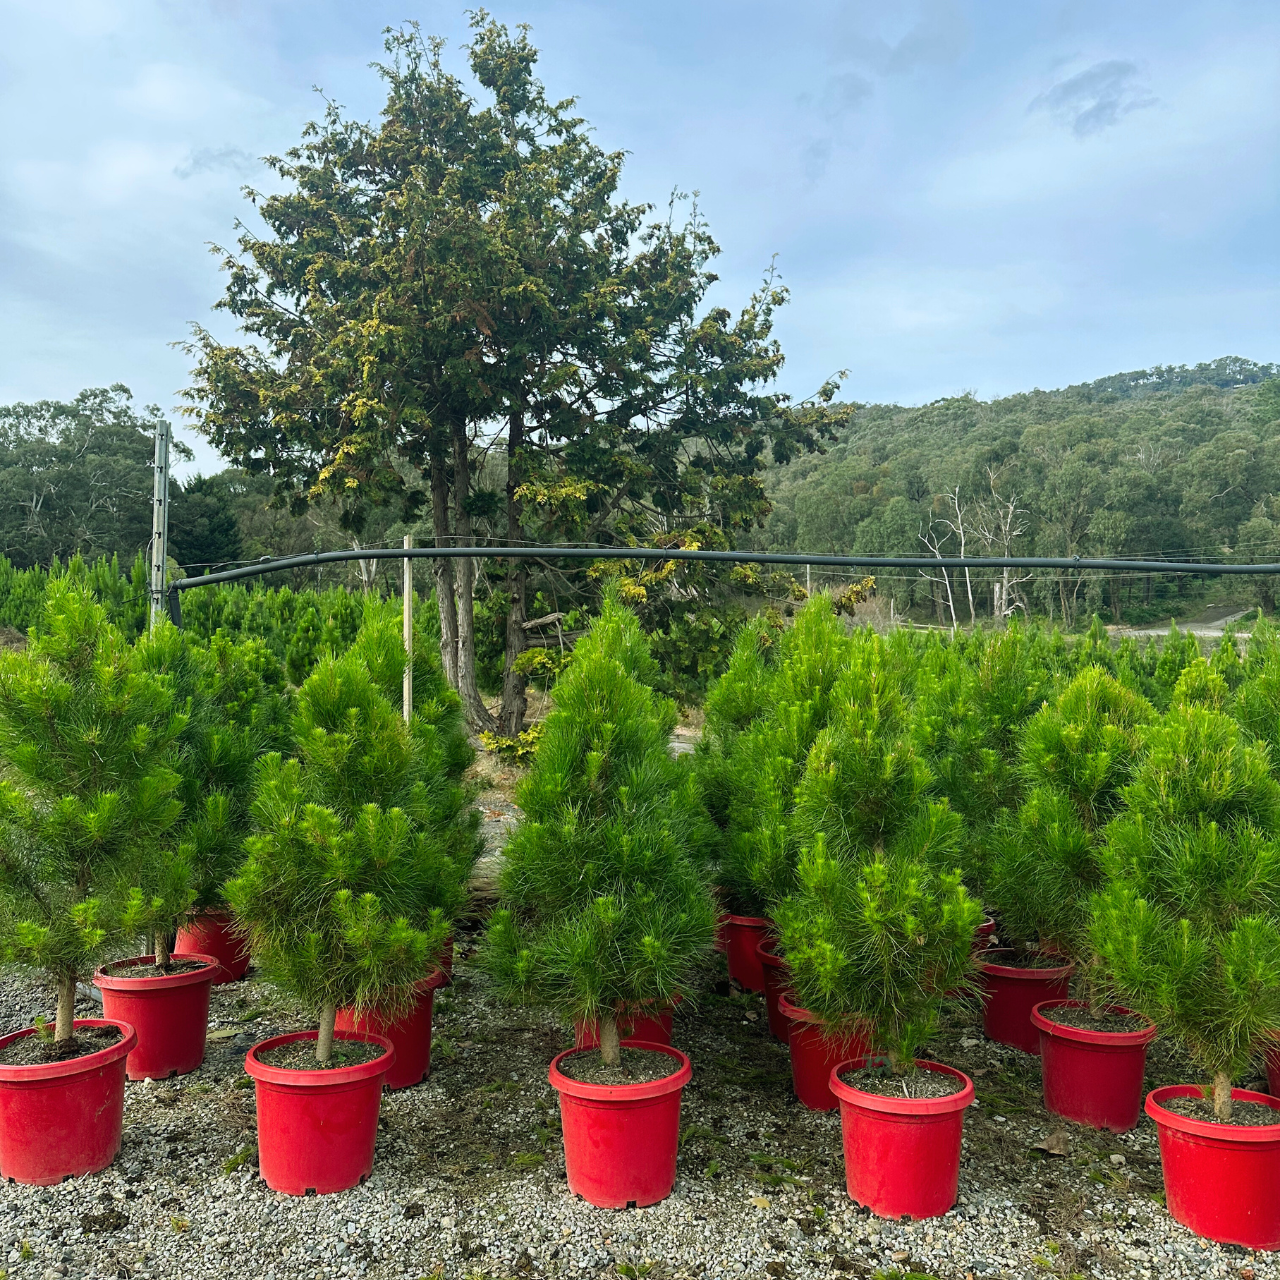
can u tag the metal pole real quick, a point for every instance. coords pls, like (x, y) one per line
(159, 522)
(408, 630)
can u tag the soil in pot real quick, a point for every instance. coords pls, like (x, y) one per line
(130, 969)
(300, 1055)
(1104, 1020)
(1249, 1114)
(887, 1084)
(638, 1066)
(35, 1050)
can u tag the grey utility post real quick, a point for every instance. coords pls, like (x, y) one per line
(408, 630)
(159, 522)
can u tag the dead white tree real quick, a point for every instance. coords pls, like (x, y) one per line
(929, 537)
(956, 524)
(1000, 522)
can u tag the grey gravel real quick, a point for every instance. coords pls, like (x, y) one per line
(469, 1179)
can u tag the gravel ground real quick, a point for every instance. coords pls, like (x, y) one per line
(469, 1180)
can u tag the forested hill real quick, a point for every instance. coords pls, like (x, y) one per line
(1167, 461)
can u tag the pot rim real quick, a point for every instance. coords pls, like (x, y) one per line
(890, 1105)
(1084, 1035)
(1051, 973)
(1229, 1134)
(39, 1072)
(639, 1092)
(768, 957)
(795, 1013)
(105, 981)
(748, 922)
(305, 1078)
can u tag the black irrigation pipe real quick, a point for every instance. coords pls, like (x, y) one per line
(870, 563)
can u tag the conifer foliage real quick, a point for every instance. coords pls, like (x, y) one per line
(359, 860)
(605, 908)
(91, 806)
(1188, 923)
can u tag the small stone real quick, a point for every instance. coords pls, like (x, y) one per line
(760, 1202)
(447, 1223)
(1117, 1159)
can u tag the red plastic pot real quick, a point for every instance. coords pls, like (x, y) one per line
(742, 933)
(170, 1013)
(814, 1055)
(213, 933)
(1092, 1077)
(620, 1141)
(410, 1036)
(60, 1120)
(1009, 995)
(1220, 1180)
(777, 982)
(983, 935)
(650, 1030)
(902, 1155)
(317, 1129)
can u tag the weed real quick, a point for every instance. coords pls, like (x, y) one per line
(234, 1162)
(26, 1252)
(527, 1159)
(179, 1225)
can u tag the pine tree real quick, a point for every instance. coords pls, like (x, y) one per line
(879, 925)
(605, 910)
(305, 646)
(360, 857)
(90, 809)
(1188, 922)
(1077, 756)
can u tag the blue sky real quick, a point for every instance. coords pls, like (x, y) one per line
(982, 195)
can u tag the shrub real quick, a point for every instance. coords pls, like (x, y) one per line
(1187, 923)
(605, 911)
(91, 806)
(359, 860)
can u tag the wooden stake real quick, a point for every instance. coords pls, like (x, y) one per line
(408, 630)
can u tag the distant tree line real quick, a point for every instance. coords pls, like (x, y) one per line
(1167, 462)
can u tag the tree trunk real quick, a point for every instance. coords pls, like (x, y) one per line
(162, 949)
(477, 713)
(610, 1046)
(65, 1019)
(1222, 1096)
(515, 701)
(443, 569)
(324, 1041)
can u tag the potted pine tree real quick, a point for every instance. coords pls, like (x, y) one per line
(863, 791)
(88, 738)
(1186, 927)
(875, 941)
(1077, 754)
(337, 898)
(605, 912)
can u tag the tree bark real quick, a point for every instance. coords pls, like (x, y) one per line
(477, 713)
(443, 569)
(65, 1020)
(324, 1041)
(1222, 1096)
(610, 1045)
(515, 700)
(162, 949)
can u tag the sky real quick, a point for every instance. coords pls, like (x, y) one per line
(961, 195)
